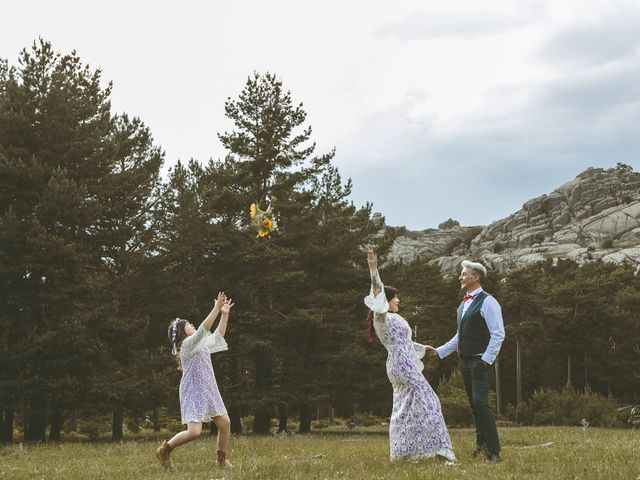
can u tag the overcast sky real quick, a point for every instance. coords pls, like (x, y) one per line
(461, 109)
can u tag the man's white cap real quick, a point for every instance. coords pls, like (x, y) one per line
(478, 267)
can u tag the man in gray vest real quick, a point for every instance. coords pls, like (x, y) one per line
(477, 341)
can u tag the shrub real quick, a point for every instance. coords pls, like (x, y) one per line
(448, 224)
(293, 425)
(319, 424)
(510, 413)
(133, 425)
(366, 420)
(247, 423)
(451, 245)
(72, 437)
(174, 425)
(470, 234)
(454, 401)
(548, 407)
(623, 167)
(91, 429)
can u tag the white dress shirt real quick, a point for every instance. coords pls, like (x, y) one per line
(492, 314)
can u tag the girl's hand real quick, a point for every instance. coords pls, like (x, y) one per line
(220, 300)
(226, 306)
(372, 259)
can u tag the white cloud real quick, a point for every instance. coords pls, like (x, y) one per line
(519, 95)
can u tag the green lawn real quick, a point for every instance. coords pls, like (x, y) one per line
(576, 454)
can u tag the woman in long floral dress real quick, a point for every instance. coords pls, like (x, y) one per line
(417, 428)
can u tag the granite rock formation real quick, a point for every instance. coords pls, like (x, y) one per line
(594, 216)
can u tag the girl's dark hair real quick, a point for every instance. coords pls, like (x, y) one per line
(177, 334)
(390, 293)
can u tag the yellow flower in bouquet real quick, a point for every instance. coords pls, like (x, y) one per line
(262, 220)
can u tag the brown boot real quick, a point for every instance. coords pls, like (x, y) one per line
(163, 454)
(222, 460)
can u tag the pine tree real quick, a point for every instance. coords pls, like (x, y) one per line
(53, 116)
(75, 194)
(125, 233)
(290, 281)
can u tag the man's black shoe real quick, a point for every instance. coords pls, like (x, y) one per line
(493, 458)
(479, 451)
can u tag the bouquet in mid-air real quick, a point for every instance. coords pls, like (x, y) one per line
(263, 221)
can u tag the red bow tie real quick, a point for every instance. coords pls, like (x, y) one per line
(468, 297)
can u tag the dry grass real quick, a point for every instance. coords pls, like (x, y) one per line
(576, 454)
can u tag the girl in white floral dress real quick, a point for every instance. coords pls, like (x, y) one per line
(200, 399)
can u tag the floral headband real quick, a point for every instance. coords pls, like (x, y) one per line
(174, 333)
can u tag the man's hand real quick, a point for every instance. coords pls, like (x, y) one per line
(431, 352)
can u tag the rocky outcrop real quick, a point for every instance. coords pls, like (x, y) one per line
(430, 243)
(594, 216)
(597, 205)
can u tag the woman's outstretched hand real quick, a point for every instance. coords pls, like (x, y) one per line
(372, 260)
(431, 352)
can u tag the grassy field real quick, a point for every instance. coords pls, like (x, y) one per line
(575, 454)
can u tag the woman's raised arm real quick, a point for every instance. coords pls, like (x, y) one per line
(376, 283)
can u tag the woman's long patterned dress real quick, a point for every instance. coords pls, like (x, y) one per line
(200, 398)
(417, 427)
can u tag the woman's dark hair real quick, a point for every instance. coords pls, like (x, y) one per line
(177, 334)
(390, 293)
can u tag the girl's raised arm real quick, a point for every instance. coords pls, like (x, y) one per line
(213, 314)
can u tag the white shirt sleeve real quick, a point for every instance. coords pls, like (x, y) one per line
(492, 313)
(216, 342)
(449, 347)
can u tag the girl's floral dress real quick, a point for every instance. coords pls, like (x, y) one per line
(200, 398)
